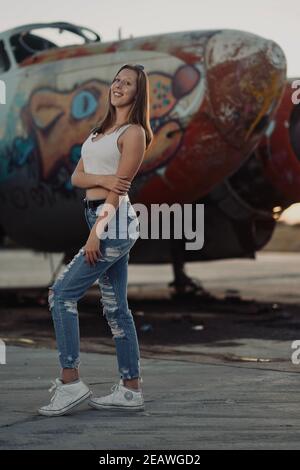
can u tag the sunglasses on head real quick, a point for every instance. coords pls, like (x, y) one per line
(137, 66)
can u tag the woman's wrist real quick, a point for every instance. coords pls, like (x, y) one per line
(101, 181)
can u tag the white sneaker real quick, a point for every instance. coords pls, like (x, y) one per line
(122, 398)
(66, 397)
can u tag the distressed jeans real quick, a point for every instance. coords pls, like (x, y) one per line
(111, 273)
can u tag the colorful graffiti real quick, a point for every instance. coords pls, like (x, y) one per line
(211, 94)
(58, 121)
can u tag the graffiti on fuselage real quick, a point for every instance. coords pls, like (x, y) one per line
(57, 121)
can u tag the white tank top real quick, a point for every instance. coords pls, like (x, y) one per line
(102, 157)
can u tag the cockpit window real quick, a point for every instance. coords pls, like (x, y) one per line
(37, 38)
(26, 44)
(4, 60)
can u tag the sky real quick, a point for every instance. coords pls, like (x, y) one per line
(273, 19)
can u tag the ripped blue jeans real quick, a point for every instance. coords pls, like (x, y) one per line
(111, 273)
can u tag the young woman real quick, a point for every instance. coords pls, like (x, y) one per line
(110, 159)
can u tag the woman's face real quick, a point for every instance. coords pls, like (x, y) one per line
(125, 83)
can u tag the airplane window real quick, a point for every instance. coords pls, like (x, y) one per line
(30, 41)
(4, 60)
(26, 44)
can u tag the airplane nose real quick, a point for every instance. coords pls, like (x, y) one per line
(245, 80)
(279, 151)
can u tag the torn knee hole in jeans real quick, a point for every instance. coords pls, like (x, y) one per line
(69, 304)
(116, 330)
(113, 252)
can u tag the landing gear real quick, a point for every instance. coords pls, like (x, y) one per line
(186, 286)
(183, 285)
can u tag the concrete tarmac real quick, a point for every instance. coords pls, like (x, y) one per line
(231, 384)
(187, 406)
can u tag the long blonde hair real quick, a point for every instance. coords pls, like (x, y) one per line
(140, 110)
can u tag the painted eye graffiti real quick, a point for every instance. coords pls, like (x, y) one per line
(84, 104)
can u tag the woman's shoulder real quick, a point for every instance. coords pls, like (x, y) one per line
(134, 135)
(135, 130)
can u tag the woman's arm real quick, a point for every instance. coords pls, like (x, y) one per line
(83, 180)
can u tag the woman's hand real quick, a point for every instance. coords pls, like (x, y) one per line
(92, 248)
(118, 184)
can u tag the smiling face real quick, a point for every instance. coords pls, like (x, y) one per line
(125, 87)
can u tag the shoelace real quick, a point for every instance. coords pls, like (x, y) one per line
(54, 387)
(117, 386)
